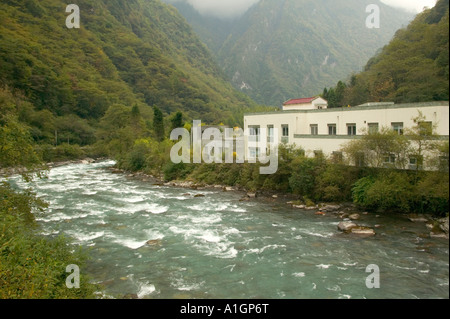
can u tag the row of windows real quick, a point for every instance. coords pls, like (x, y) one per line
(352, 129)
(332, 129)
(256, 130)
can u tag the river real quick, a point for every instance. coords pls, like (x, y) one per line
(218, 247)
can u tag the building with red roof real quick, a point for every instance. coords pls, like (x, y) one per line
(309, 103)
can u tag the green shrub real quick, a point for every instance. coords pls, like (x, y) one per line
(136, 159)
(390, 191)
(432, 193)
(360, 190)
(63, 152)
(303, 176)
(334, 182)
(308, 202)
(177, 171)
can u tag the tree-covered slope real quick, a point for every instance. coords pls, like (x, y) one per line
(413, 67)
(281, 49)
(128, 52)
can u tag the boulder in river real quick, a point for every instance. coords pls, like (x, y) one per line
(199, 195)
(155, 242)
(418, 219)
(346, 226)
(330, 208)
(354, 217)
(366, 231)
(251, 195)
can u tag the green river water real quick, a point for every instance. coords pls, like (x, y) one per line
(218, 247)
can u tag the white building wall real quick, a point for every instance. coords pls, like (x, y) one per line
(300, 132)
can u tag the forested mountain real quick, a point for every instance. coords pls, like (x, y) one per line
(281, 49)
(413, 67)
(134, 52)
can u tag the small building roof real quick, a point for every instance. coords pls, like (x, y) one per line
(300, 101)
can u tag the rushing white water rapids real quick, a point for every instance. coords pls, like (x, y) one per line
(218, 247)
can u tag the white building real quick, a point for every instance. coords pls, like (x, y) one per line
(313, 127)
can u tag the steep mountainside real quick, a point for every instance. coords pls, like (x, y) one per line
(129, 52)
(280, 49)
(413, 67)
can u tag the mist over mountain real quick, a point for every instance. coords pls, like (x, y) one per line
(281, 49)
(218, 8)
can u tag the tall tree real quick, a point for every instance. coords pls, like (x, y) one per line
(158, 124)
(177, 120)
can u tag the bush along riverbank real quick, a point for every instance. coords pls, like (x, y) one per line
(308, 182)
(33, 266)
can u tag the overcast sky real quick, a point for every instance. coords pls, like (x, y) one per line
(231, 8)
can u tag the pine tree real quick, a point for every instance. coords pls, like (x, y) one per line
(177, 120)
(158, 124)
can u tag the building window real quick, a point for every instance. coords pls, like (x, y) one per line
(270, 133)
(351, 129)
(398, 127)
(389, 160)
(285, 132)
(416, 162)
(255, 132)
(314, 129)
(332, 129)
(285, 129)
(374, 128)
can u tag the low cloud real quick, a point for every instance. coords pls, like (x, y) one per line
(410, 5)
(220, 8)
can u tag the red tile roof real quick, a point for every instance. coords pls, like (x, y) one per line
(300, 101)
